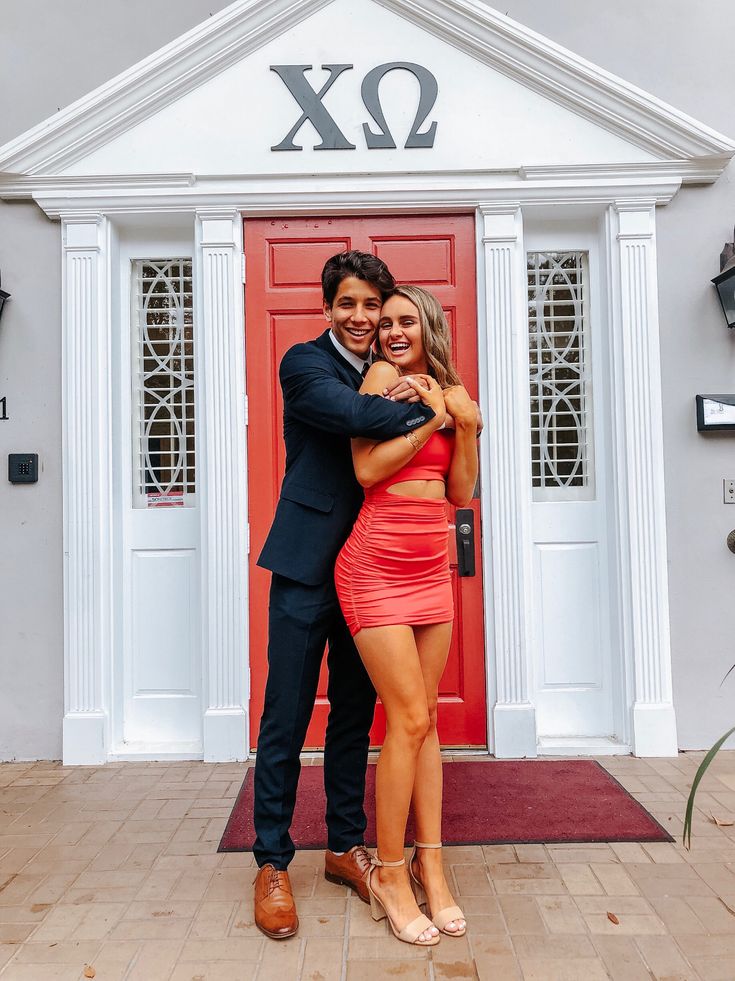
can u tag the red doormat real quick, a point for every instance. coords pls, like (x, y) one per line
(485, 803)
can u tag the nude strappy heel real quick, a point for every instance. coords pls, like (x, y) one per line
(443, 916)
(412, 931)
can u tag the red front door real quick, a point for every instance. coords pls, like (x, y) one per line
(283, 306)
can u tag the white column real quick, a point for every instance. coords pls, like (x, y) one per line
(641, 506)
(506, 471)
(224, 511)
(86, 482)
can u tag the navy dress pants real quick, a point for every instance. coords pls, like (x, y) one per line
(302, 621)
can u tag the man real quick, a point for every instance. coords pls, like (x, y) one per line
(319, 501)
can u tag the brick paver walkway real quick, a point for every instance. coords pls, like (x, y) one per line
(114, 870)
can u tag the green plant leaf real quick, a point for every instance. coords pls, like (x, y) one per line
(687, 835)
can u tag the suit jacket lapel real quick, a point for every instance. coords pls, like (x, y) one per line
(325, 343)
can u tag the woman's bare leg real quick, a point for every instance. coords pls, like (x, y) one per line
(432, 643)
(392, 661)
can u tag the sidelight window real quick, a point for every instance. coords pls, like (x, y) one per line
(163, 384)
(560, 376)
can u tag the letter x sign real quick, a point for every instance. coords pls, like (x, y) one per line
(332, 137)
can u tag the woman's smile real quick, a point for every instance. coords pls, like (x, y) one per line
(399, 347)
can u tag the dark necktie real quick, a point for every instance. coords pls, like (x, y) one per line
(365, 368)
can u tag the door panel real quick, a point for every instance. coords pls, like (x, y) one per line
(283, 304)
(164, 667)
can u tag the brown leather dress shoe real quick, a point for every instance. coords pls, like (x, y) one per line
(275, 909)
(350, 869)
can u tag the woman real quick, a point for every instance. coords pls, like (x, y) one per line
(394, 586)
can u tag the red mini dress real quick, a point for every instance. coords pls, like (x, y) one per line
(394, 567)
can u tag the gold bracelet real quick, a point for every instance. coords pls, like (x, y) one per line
(413, 440)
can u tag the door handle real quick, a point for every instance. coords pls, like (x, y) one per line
(464, 530)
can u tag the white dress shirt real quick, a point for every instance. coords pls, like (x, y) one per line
(357, 363)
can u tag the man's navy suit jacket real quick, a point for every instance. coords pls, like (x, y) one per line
(320, 495)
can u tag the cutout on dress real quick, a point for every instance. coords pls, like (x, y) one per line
(407, 488)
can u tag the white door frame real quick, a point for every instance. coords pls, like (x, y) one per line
(88, 259)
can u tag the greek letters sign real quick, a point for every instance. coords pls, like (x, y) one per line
(332, 137)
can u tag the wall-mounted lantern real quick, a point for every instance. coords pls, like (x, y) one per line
(3, 297)
(725, 282)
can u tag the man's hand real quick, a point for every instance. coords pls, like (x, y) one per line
(449, 420)
(403, 391)
(460, 406)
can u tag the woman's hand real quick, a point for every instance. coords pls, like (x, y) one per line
(430, 393)
(460, 406)
(402, 391)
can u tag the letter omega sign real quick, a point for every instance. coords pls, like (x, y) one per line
(332, 137)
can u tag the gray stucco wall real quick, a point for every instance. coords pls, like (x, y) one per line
(55, 52)
(31, 649)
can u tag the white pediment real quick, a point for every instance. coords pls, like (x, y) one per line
(211, 105)
(484, 120)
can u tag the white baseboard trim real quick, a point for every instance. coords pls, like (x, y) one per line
(582, 746)
(226, 738)
(515, 731)
(654, 730)
(83, 739)
(151, 752)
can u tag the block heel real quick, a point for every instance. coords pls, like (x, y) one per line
(443, 916)
(412, 931)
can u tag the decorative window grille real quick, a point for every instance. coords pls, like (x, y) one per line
(560, 376)
(163, 384)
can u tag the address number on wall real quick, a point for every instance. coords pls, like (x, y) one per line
(4, 409)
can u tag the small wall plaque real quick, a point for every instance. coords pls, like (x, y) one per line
(715, 413)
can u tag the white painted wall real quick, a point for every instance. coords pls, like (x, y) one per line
(53, 53)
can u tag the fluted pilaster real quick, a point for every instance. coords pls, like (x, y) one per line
(224, 514)
(641, 498)
(86, 454)
(507, 539)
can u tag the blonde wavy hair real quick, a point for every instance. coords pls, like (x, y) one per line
(435, 335)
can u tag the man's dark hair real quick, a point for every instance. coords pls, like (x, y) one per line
(362, 265)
